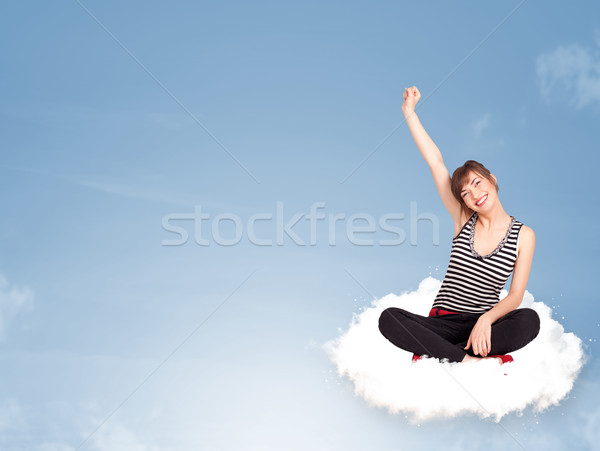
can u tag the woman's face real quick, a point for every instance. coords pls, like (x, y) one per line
(478, 193)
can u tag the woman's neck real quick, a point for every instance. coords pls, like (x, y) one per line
(492, 220)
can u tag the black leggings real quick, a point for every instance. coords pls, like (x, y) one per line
(445, 336)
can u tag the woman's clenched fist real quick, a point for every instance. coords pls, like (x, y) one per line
(411, 97)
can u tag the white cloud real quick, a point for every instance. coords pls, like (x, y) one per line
(69, 113)
(591, 428)
(571, 73)
(482, 123)
(117, 437)
(114, 185)
(148, 186)
(13, 300)
(542, 374)
(12, 416)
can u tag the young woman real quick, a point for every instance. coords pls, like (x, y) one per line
(467, 321)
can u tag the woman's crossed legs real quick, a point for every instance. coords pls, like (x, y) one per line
(445, 336)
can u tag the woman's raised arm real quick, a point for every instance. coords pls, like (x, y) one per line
(431, 153)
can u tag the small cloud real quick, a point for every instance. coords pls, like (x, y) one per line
(150, 186)
(12, 416)
(590, 430)
(570, 73)
(113, 185)
(117, 437)
(312, 344)
(482, 123)
(13, 300)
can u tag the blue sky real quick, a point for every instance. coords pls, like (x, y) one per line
(152, 109)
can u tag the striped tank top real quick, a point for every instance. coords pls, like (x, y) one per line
(472, 283)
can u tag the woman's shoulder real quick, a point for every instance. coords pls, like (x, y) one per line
(526, 239)
(464, 218)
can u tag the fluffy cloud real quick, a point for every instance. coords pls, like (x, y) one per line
(481, 124)
(542, 374)
(570, 72)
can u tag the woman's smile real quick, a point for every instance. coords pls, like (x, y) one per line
(482, 201)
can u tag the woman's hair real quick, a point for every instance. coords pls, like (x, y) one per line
(459, 179)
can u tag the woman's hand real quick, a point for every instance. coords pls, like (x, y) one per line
(481, 337)
(411, 97)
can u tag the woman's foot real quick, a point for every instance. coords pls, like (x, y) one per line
(470, 358)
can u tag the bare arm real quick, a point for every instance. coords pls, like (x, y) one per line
(519, 279)
(428, 149)
(431, 153)
(481, 332)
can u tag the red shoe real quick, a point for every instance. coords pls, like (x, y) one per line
(505, 358)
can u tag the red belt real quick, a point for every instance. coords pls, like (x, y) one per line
(439, 311)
